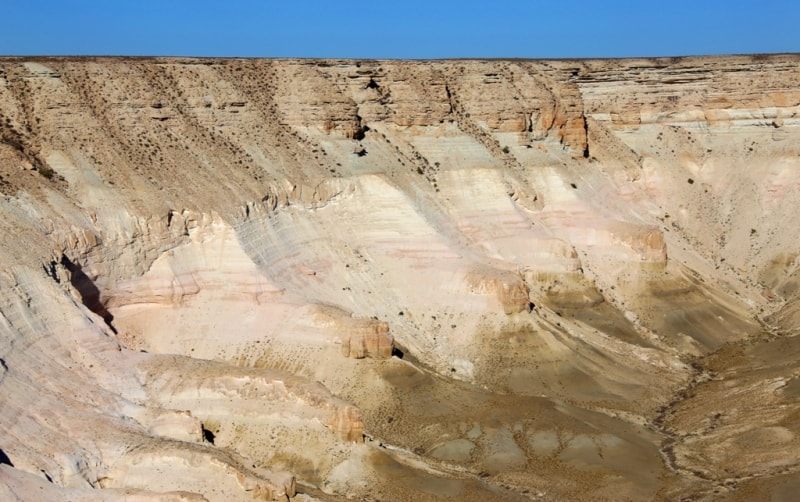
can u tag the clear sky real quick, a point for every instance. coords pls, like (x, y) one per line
(399, 29)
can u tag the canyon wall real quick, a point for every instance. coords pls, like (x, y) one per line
(264, 279)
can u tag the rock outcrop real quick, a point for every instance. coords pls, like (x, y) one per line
(265, 279)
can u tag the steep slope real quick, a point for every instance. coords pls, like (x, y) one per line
(232, 279)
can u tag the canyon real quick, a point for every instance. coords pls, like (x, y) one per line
(253, 279)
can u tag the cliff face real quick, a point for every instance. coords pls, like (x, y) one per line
(221, 274)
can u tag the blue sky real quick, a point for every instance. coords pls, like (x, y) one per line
(399, 29)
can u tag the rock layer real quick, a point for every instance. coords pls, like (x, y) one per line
(510, 277)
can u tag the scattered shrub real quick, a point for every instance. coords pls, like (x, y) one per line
(46, 172)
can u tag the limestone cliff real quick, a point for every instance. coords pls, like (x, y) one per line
(510, 277)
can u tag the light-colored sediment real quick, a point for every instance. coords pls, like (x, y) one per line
(213, 269)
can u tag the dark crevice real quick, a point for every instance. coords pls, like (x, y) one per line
(449, 99)
(4, 459)
(90, 294)
(208, 436)
(361, 129)
(52, 271)
(586, 131)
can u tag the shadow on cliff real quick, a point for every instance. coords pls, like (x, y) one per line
(90, 294)
(4, 459)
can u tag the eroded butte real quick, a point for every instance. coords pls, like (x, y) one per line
(383, 280)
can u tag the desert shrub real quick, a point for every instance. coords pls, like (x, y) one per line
(46, 172)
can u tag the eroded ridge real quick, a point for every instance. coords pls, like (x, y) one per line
(483, 280)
